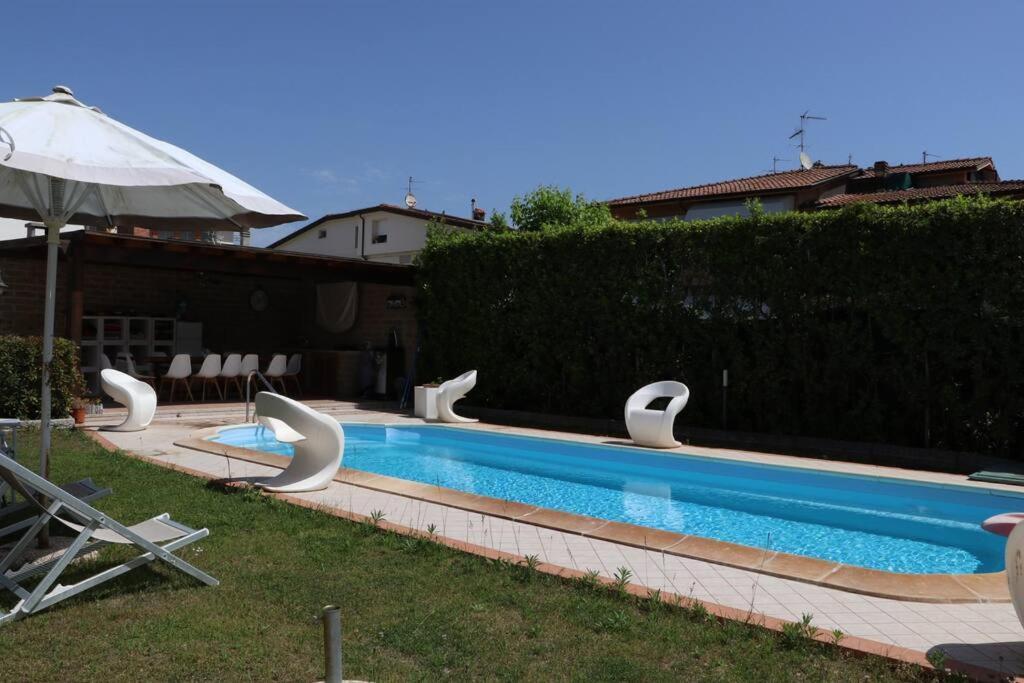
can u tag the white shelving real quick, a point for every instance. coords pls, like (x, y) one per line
(140, 336)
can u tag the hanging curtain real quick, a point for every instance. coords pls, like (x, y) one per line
(336, 306)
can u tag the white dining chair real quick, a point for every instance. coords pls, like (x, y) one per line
(230, 372)
(126, 364)
(293, 371)
(276, 369)
(180, 371)
(209, 373)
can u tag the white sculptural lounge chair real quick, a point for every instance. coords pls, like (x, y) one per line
(318, 440)
(1008, 524)
(156, 538)
(135, 395)
(654, 427)
(451, 391)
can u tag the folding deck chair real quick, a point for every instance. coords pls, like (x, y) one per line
(157, 538)
(25, 512)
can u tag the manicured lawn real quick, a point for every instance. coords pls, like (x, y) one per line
(411, 609)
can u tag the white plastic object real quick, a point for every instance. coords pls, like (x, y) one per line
(250, 363)
(317, 454)
(293, 371)
(230, 372)
(137, 396)
(1015, 569)
(275, 370)
(450, 392)
(654, 427)
(209, 373)
(180, 371)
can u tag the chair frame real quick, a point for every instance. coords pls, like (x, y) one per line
(48, 591)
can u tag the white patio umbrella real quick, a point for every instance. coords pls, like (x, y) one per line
(64, 162)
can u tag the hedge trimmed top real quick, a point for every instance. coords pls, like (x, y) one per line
(897, 324)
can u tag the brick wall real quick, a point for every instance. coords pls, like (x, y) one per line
(218, 300)
(21, 304)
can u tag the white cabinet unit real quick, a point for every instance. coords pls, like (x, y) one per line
(110, 335)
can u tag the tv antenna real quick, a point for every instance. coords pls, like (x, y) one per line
(410, 198)
(925, 154)
(804, 118)
(775, 163)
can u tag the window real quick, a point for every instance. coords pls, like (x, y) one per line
(321, 235)
(376, 235)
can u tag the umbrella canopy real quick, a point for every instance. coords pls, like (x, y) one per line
(64, 162)
(114, 175)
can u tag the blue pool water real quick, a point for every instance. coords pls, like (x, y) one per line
(868, 522)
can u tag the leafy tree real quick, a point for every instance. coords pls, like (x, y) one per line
(498, 220)
(549, 206)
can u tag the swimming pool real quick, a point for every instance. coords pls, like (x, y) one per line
(878, 523)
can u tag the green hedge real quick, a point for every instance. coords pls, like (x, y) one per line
(21, 364)
(894, 324)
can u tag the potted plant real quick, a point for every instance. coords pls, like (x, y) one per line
(78, 409)
(93, 405)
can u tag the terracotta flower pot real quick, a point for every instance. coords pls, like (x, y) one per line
(79, 415)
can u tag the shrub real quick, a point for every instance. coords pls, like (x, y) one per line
(21, 363)
(898, 324)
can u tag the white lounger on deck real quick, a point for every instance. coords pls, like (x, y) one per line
(156, 539)
(318, 440)
(135, 395)
(654, 427)
(450, 392)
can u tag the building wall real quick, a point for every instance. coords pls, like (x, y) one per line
(406, 237)
(218, 300)
(21, 304)
(344, 237)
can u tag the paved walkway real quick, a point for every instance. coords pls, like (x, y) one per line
(987, 635)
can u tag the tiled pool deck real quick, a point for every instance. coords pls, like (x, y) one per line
(986, 634)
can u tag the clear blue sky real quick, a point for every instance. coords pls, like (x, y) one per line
(329, 106)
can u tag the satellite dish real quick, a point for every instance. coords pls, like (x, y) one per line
(805, 161)
(410, 201)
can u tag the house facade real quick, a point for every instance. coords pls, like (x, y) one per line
(384, 233)
(823, 187)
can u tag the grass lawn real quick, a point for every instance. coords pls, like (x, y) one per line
(411, 609)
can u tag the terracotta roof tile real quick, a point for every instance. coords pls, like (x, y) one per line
(973, 163)
(922, 193)
(771, 182)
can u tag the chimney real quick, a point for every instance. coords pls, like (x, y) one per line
(475, 213)
(881, 167)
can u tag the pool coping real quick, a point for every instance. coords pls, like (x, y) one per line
(931, 588)
(855, 645)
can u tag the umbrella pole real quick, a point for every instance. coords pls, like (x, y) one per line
(52, 242)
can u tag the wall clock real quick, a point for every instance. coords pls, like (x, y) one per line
(258, 300)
